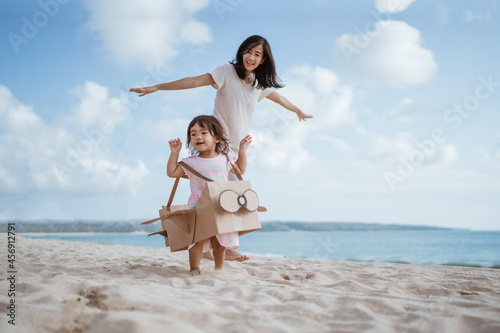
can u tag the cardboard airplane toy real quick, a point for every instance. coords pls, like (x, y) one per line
(223, 207)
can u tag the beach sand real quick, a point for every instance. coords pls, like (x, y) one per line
(64, 286)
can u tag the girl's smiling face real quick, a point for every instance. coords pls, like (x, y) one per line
(253, 57)
(202, 140)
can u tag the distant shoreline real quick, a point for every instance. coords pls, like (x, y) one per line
(55, 226)
(341, 226)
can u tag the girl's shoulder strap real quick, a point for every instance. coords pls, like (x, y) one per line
(237, 171)
(194, 172)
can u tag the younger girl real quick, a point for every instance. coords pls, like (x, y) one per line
(209, 149)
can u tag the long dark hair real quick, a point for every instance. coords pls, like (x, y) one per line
(215, 128)
(265, 73)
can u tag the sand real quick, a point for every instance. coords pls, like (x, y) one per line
(64, 286)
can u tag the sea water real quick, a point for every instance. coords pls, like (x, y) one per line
(422, 247)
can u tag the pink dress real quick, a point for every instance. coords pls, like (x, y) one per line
(217, 169)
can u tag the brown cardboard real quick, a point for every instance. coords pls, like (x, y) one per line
(211, 215)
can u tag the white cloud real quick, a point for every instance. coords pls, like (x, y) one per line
(489, 157)
(392, 151)
(441, 14)
(164, 130)
(469, 16)
(498, 149)
(41, 157)
(95, 106)
(167, 129)
(280, 139)
(392, 6)
(279, 152)
(338, 144)
(483, 155)
(147, 32)
(404, 111)
(384, 150)
(361, 131)
(392, 53)
(447, 154)
(317, 91)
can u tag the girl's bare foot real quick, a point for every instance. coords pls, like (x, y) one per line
(208, 255)
(195, 271)
(218, 268)
(232, 255)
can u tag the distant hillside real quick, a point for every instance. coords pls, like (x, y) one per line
(336, 226)
(45, 226)
(131, 226)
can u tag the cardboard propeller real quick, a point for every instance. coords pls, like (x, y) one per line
(223, 207)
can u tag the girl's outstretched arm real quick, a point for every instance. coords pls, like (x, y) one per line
(174, 170)
(185, 83)
(277, 98)
(241, 162)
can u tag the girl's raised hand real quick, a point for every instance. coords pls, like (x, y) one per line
(302, 115)
(175, 145)
(245, 142)
(144, 91)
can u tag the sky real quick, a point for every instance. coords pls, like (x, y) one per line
(405, 96)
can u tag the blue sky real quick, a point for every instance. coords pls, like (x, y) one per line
(405, 97)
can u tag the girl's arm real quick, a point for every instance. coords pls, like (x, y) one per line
(241, 162)
(277, 98)
(186, 83)
(173, 169)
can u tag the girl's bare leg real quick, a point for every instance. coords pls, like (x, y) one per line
(195, 257)
(219, 252)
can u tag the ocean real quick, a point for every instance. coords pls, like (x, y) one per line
(421, 247)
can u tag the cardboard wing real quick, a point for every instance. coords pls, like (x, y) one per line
(183, 224)
(179, 223)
